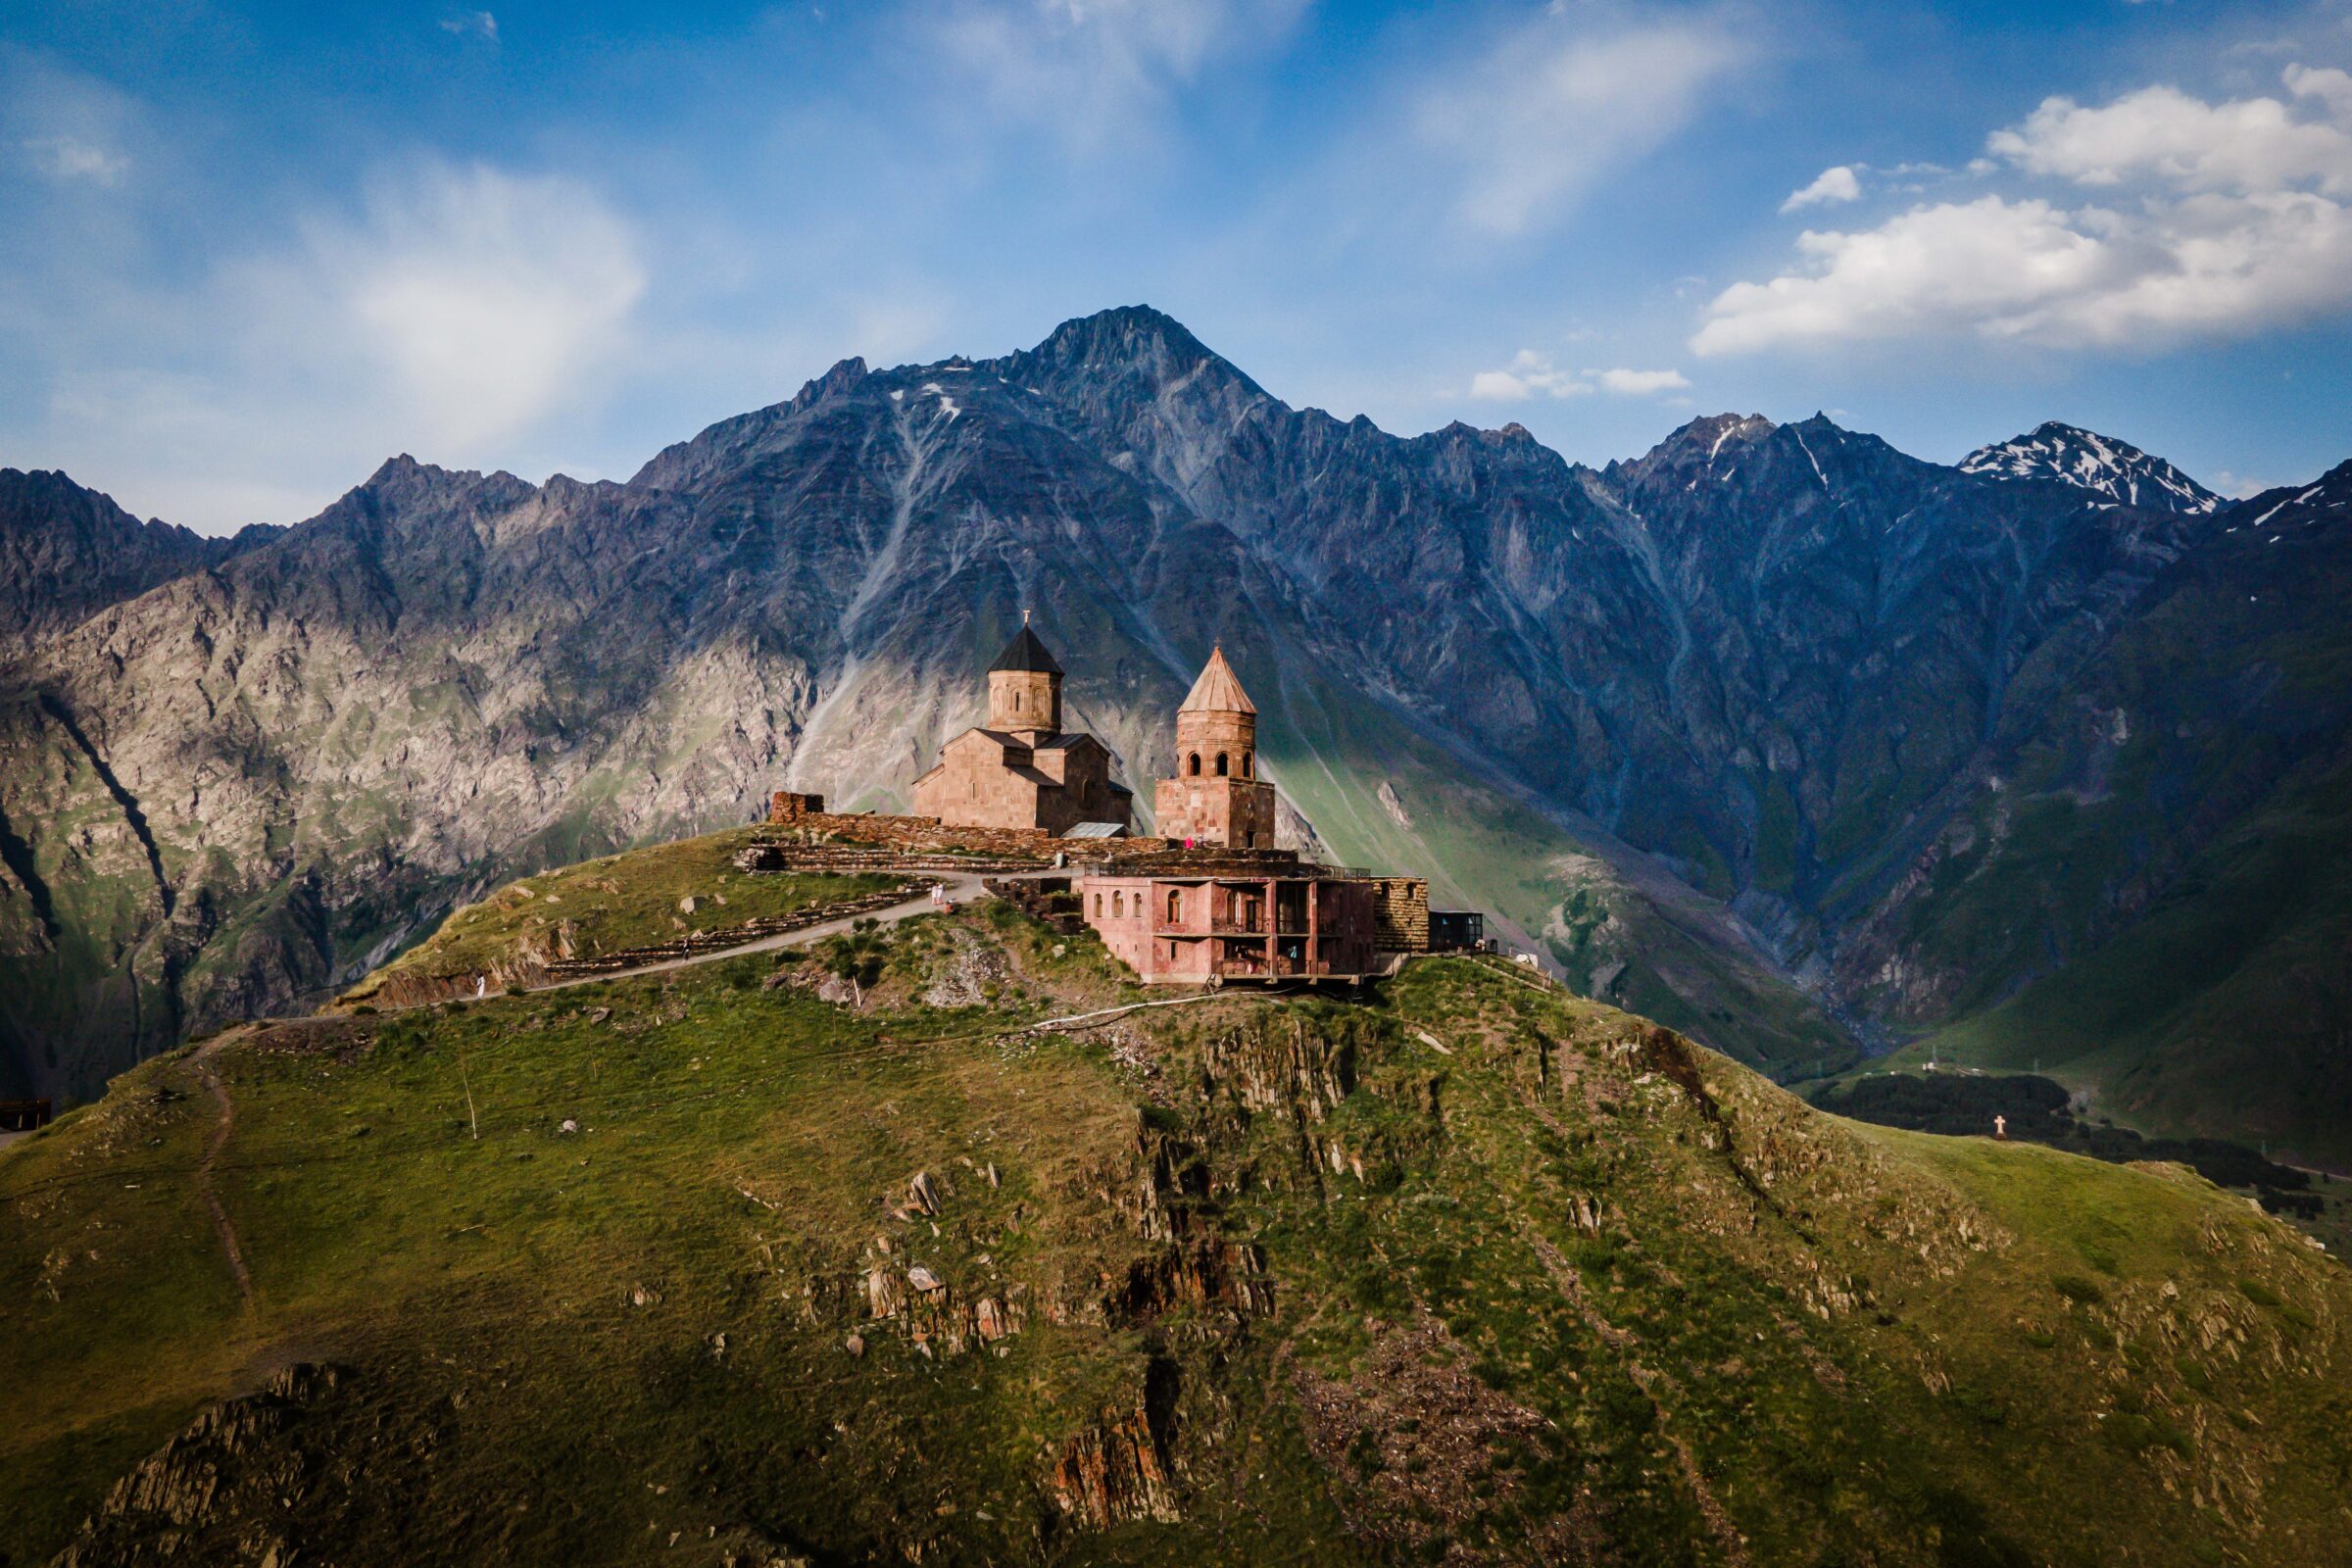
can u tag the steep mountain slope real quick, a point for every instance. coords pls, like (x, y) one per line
(66, 553)
(2188, 840)
(700, 1268)
(2113, 469)
(1706, 726)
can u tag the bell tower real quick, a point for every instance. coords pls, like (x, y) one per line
(1024, 688)
(1216, 796)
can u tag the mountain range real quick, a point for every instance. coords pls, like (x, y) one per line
(1801, 745)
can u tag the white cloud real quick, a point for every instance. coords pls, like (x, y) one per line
(484, 295)
(1557, 107)
(1093, 69)
(1530, 375)
(1834, 184)
(481, 23)
(2254, 144)
(2211, 221)
(2326, 83)
(69, 158)
(469, 315)
(1639, 383)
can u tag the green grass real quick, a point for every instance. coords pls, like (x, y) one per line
(637, 908)
(1506, 1282)
(2218, 1012)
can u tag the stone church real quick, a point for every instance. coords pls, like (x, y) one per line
(1019, 769)
(1216, 796)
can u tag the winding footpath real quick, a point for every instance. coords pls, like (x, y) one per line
(961, 890)
(201, 1061)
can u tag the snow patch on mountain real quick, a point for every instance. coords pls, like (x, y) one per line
(2113, 469)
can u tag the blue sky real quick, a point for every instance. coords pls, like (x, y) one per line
(250, 251)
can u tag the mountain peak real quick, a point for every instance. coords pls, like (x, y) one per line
(2070, 454)
(1125, 334)
(1706, 438)
(845, 374)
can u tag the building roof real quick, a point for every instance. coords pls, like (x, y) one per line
(1097, 830)
(1025, 653)
(1218, 690)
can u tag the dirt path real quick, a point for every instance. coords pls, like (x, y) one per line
(212, 1155)
(961, 890)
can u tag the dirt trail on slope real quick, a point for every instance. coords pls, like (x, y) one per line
(211, 1154)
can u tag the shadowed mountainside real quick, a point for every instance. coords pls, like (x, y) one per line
(1720, 729)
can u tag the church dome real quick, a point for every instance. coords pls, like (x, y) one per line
(1218, 690)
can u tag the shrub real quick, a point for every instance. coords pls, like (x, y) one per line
(2075, 1288)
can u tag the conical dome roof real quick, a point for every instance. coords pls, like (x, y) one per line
(1218, 690)
(1025, 653)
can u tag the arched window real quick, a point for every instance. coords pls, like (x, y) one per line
(1194, 765)
(1220, 765)
(1119, 905)
(1175, 908)
(1246, 774)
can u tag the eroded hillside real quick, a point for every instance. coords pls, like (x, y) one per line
(737, 1263)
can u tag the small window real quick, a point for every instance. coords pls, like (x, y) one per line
(1016, 702)
(1246, 774)
(1119, 905)
(1175, 909)
(1220, 765)
(1098, 905)
(1193, 767)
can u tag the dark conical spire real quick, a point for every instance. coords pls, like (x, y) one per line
(1025, 653)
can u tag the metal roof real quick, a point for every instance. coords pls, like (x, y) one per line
(1025, 653)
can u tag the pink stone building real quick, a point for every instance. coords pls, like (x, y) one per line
(1208, 927)
(1019, 769)
(1216, 796)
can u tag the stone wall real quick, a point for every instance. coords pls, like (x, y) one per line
(921, 834)
(1400, 915)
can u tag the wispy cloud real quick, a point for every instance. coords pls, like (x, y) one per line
(456, 312)
(64, 126)
(1094, 71)
(69, 158)
(1533, 375)
(2209, 219)
(1561, 103)
(472, 24)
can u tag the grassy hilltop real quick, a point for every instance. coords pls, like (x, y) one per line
(705, 1267)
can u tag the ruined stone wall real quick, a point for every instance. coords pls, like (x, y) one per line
(918, 834)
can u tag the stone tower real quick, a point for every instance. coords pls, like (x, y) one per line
(1024, 688)
(1216, 796)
